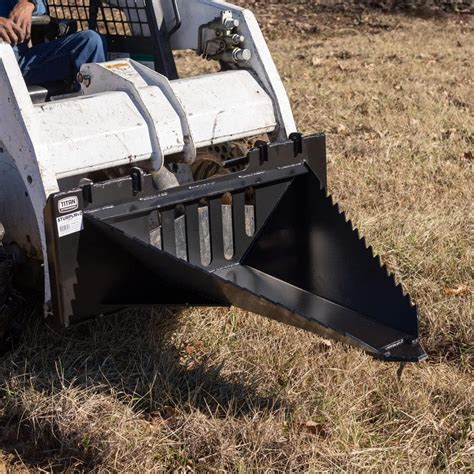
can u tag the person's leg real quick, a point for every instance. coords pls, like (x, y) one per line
(61, 59)
(41, 8)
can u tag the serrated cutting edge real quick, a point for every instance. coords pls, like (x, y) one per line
(386, 271)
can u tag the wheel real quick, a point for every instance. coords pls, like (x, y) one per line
(10, 300)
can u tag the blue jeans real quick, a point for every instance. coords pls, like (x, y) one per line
(60, 60)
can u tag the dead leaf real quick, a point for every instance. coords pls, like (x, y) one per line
(190, 350)
(326, 342)
(155, 419)
(459, 291)
(316, 429)
(169, 412)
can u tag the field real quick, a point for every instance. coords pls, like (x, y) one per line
(224, 390)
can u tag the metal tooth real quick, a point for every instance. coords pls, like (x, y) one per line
(377, 258)
(336, 206)
(364, 242)
(228, 231)
(349, 221)
(204, 236)
(371, 250)
(180, 238)
(249, 220)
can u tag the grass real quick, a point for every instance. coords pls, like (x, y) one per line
(214, 389)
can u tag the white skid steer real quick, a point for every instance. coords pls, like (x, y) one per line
(146, 188)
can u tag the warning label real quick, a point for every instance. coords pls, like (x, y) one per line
(70, 224)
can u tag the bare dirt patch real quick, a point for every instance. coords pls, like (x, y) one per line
(214, 389)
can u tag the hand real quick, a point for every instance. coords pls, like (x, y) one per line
(21, 16)
(9, 31)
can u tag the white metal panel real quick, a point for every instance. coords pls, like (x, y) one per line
(225, 106)
(92, 132)
(105, 130)
(109, 129)
(16, 209)
(120, 75)
(21, 136)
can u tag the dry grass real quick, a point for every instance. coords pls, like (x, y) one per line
(208, 390)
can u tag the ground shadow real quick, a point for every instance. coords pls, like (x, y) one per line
(131, 355)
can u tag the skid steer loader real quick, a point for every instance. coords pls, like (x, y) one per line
(146, 188)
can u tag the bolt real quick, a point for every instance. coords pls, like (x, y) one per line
(241, 54)
(237, 39)
(230, 23)
(84, 79)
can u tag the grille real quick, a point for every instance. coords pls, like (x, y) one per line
(128, 19)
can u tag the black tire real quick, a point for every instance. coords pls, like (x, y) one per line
(11, 301)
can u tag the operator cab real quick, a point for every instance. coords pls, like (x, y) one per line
(131, 30)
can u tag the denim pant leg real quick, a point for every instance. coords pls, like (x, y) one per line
(61, 59)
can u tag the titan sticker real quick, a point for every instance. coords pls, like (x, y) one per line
(68, 204)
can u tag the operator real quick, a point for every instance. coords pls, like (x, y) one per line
(57, 60)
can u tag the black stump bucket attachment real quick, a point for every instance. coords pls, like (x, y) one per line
(267, 239)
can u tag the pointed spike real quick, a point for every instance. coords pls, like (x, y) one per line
(400, 286)
(377, 257)
(356, 231)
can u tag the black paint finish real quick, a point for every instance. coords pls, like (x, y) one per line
(304, 266)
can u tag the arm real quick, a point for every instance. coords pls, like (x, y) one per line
(21, 17)
(10, 32)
